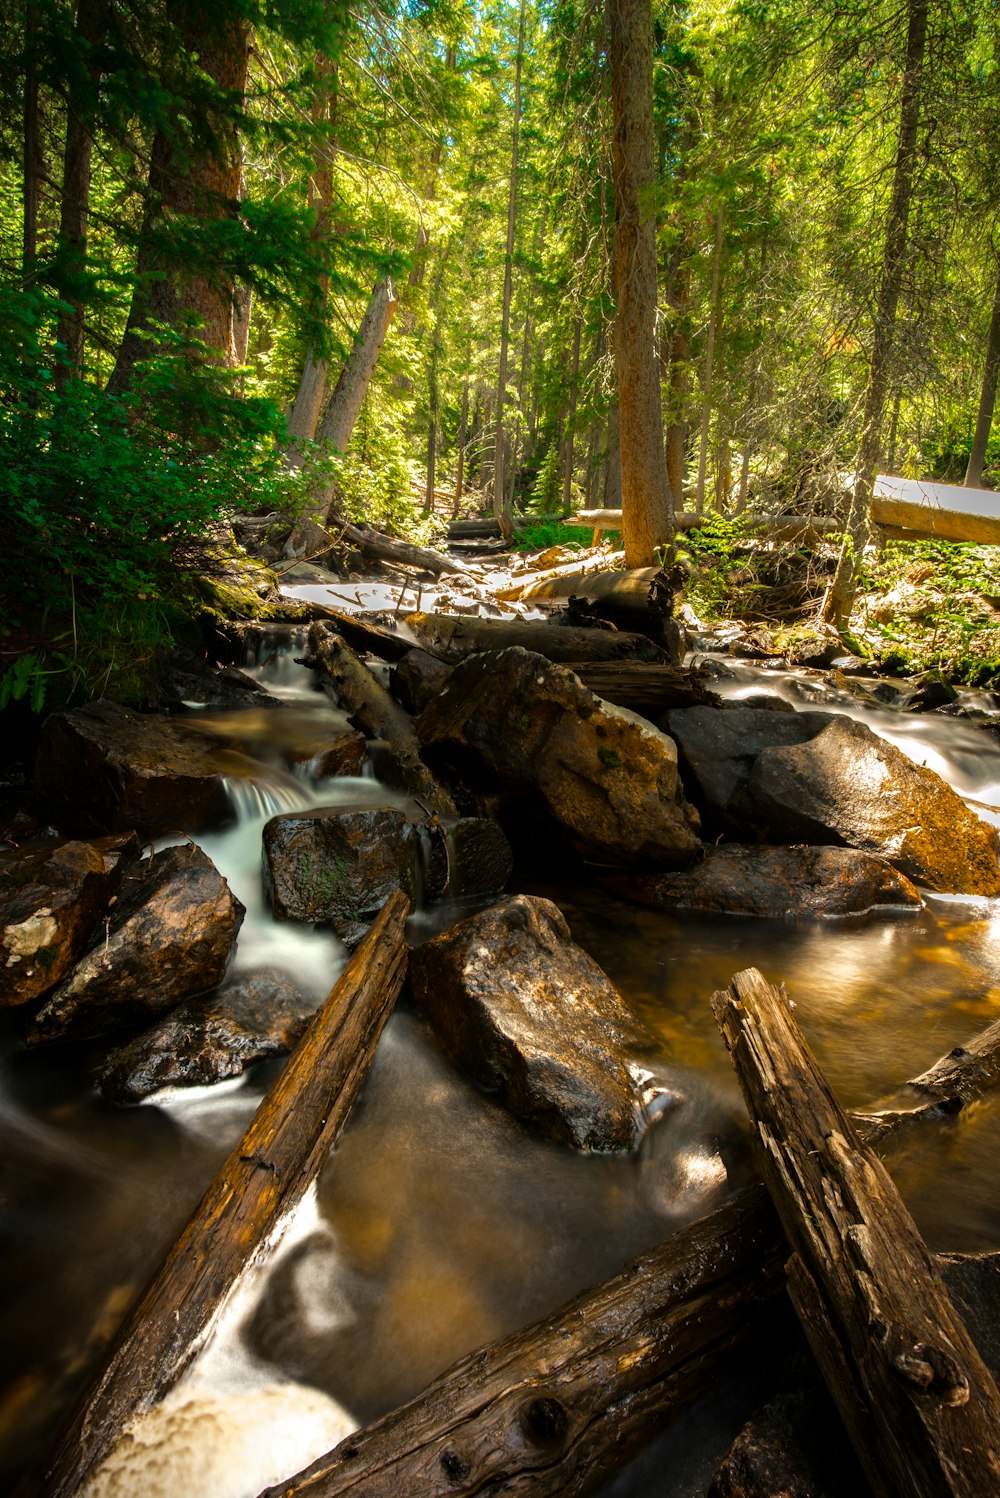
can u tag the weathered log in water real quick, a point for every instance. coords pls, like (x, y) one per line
(556, 1409)
(244, 1209)
(454, 638)
(629, 590)
(647, 687)
(384, 549)
(361, 634)
(919, 1404)
(945, 1088)
(375, 713)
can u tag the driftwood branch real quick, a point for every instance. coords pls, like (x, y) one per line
(376, 714)
(946, 1088)
(244, 1209)
(919, 1404)
(384, 549)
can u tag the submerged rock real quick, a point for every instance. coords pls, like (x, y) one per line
(102, 768)
(169, 935)
(523, 1010)
(469, 857)
(822, 778)
(607, 776)
(211, 1037)
(746, 879)
(337, 866)
(50, 901)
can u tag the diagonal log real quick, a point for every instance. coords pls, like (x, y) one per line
(945, 1088)
(244, 1209)
(918, 1402)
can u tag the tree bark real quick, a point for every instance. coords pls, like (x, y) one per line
(184, 184)
(240, 1216)
(75, 205)
(987, 396)
(647, 502)
(840, 596)
(463, 422)
(453, 638)
(709, 369)
(918, 1402)
(304, 416)
(569, 434)
(32, 163)
(309, 535)
(501, 508)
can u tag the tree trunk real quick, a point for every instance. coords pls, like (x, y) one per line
(501, 509)
(613, 462)
(75, 206)
(840, 597)
(647, 503)
(987, 397)
(919, 1404)
(342, 410)
(33, 164)
(240, 1216)
(574, 374)
(463, 422)
(303, 418)
(713, 333)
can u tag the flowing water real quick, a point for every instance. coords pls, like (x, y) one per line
(439, 1222)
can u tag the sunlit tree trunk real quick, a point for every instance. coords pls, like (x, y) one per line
(195, 185)
(987, 396)
(501, 506)
(463, 422)
(342, 411)
(303, 418)
(709, 368)
(568, 438)
(71, 254)
(33, 165)
(840, 597)
(647, 507)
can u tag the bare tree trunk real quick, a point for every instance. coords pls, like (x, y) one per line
(501, 508)
(75, 207)
(713, 333)
(574, 373)
(304, 416)
(647, 502)
(463, 421)
(613, 464)
(987, 397)
(203, 186)
(342, 411)
(32, 148)
(840, 597)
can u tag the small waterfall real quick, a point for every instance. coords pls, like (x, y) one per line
(255, 799)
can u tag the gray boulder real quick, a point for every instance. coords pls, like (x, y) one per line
(51, 899)
(209, 1038)
(607, 776)
(170, 934)
(775, 883)
(525, 1012)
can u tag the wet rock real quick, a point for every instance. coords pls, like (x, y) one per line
(189, 680)
(848, 785)
(523, 1010)
(103, 768)
(50, 901)
(338, 865)
(786, 1451)
(605, 774)
(169, 936)
(822, 778)
(340, 752)
(417, 679)
(776, 883)
(209, 1038)
(468, 857)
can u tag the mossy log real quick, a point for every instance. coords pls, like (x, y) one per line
(919, 1404)
(244, 1209)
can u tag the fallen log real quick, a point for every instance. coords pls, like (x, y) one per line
(645, 686)
(556, 1409)
(919, 1404)
(243, 1211)
(373, 711)
(629, 589)
(945, 1088)
(361, 634)
(454, 638)
(384, 549)
(605, 562)
(804, 529)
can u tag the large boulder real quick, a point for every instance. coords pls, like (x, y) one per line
(209, 1038)
(51, 899)
(169, 935)
(525, 1012)
(103, 768)
(823, 778)
(337, 866)
(776, 883)
(607, 776)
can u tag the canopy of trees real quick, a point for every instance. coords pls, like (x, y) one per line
(324, 258)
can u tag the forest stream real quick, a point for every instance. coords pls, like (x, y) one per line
(440, 1222)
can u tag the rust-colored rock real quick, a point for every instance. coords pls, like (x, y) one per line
(102, 768)
(169, 935)
(51, 899)
(776, 883)
(524, 1011)
(607, 776)
(211, 1037)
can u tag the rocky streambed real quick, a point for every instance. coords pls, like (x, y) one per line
(551, 1096)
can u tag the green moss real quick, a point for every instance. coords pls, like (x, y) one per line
(610, 758)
